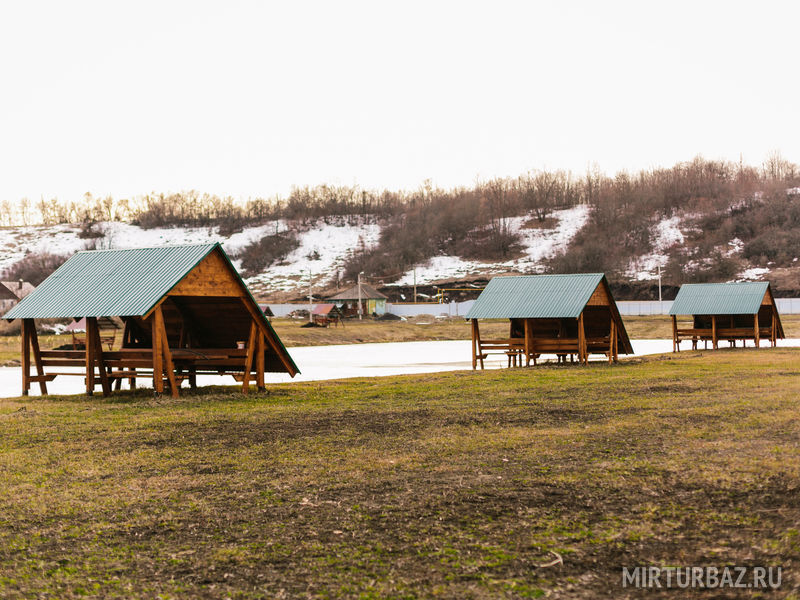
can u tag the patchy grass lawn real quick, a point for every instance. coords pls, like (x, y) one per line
(401, 487)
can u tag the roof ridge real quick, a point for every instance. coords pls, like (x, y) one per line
(163, 247)
(728, 283)
(547, 275)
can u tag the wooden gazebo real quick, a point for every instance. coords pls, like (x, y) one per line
(185, 311)
(565, 315)
(726, 312)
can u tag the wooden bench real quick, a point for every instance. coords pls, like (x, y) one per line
(514, 348)
(729, 334)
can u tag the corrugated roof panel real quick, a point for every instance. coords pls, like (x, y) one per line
(535, 297)
(119, 283)
(719, 298)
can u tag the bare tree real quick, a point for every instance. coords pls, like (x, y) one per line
(544, 191)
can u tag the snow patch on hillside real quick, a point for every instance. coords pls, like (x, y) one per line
(753, 274)
(17, 242)
(666, 235)
(322, 252)
(541, 244)
(538, 245)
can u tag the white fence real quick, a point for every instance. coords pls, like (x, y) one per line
(628, 308)
(635, 308)
(452, 309)
(632, 308)
(788, 306)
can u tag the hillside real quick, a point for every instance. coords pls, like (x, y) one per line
(324, 248)
(697, 221)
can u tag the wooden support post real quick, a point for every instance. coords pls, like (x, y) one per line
(675, 344)
(714, 331)
(37, 356)
(158, 356)
(582, 348)
(97, 353)
(477, 333)
(168, 365)
(248, 359)
(474, 345)
(261, 348)
(757, 333)
(528, 341)
(90, 342)
(774, 329)
(25, 358)
(612, 334)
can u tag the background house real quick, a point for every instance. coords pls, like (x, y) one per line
(372, 301)
(12, 292)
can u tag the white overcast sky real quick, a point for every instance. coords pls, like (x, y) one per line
(250, 98)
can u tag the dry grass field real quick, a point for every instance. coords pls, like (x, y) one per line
(398, 487)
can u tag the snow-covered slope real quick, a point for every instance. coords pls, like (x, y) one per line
(323, 247)
(666, 235)
(538, 244)
(323, 250)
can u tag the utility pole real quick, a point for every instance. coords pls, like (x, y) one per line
(360, 310)
(310, 299)
(415, 285)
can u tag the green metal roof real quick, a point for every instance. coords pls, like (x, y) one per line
(535, 297)
(719, 298)
(103, 283)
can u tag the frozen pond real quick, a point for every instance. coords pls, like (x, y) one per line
(352, 360)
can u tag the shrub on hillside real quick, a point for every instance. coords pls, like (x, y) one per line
(34, 268)
(777, 246)
(268, 250)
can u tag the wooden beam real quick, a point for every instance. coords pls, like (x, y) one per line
(25, 357)
(248, 359)
(97, 354)
(756, 331)
(612, 334)
(582, 354)
(473, 325)
(675, 344)
(478, 341)
(261, 348)
(90, 341)
(528, 342)
(714, 331)
(168, 365)
(158, 356)
(37, 357)
(773, 332)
